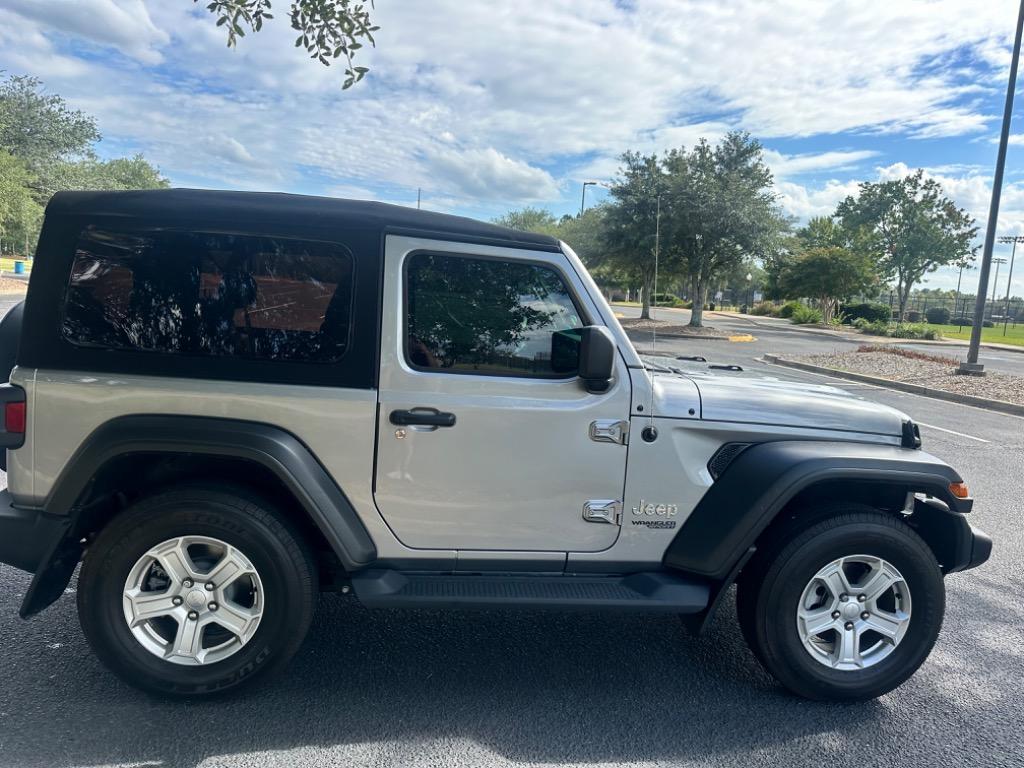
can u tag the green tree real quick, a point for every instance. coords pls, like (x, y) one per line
(19, 211)
(631, 226)
(46, 146)
(585, 234)
(530, 219)
(328, 29)
(721, 209)
(42, 131)
(828, 273)
(118, 174)
(909, 228)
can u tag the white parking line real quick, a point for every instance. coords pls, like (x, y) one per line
(953, 432)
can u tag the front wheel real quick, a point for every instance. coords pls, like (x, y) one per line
(196, 591)
(845, 610)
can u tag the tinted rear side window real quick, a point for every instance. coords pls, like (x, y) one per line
(210, 294)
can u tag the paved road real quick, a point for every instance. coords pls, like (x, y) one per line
(417, 688)
(781, 338)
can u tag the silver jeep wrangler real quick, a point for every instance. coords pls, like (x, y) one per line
(223, 403)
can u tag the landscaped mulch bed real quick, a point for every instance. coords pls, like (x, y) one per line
(670, 329)
(935, 371)
(10, 286)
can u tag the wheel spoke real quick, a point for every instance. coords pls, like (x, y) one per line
(227, 569)
(150, 605)
(848, 647)
(173, 558)
(817, 621)
(836, 581)
(879, 582)
(188, 641)
(888, 625)
(236, 619)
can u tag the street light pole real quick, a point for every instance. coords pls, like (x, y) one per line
(583, 198)
(972, 366)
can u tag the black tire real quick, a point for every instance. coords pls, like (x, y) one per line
(771, 587)
(278, 553)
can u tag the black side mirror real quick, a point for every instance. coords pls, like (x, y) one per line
(588, 352)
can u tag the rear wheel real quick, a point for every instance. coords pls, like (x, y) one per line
(196, 591)
(846, 609)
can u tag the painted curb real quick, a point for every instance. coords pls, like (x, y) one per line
(1000, 406)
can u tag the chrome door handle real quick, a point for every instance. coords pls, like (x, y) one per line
(422, 417)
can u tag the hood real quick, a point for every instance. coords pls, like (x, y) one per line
(741, 397)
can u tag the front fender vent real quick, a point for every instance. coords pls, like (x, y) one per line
(724, 456)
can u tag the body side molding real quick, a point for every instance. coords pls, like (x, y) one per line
(756, 486)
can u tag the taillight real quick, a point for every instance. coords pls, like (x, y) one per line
(14, 417)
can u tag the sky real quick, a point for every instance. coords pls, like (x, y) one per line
(491, 105)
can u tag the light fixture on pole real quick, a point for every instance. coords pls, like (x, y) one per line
(750, 286)
(1009, 282)
(971, 365)
(583, 198)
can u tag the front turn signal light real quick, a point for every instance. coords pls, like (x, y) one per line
(959, 490)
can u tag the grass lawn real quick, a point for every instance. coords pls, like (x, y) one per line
(994, 335)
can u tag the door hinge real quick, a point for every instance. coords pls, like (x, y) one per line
(603, 511)
(609, 431)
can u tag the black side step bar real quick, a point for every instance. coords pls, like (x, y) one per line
(637, 591)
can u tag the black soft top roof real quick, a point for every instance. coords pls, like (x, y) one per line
(263, 207)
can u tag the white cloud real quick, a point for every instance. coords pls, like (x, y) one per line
(784, 166)
(123, 24)
(510, 102)
(486, 174)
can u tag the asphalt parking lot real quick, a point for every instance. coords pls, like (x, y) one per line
(415, 688)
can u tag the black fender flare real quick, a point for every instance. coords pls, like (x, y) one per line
(763, 478)
(276, 449)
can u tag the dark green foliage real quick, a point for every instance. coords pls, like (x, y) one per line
(909, 228)
(789, 308)
(875, 313)
(328, 29)
(937, 315)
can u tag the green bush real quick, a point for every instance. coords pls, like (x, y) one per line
(787, 309)
(969, 321)
(897, 331)
(987, 324)
(913, 316)
(666, 300)
(803, 315)
(762, 308)
(937, 315)
(872, 312)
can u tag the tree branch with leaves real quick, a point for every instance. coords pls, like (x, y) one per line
(328, 29)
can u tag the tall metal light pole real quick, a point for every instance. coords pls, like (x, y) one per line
(972, 366)
(583, 199)
(998, 261)
(956, 297)
(1009, 282)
